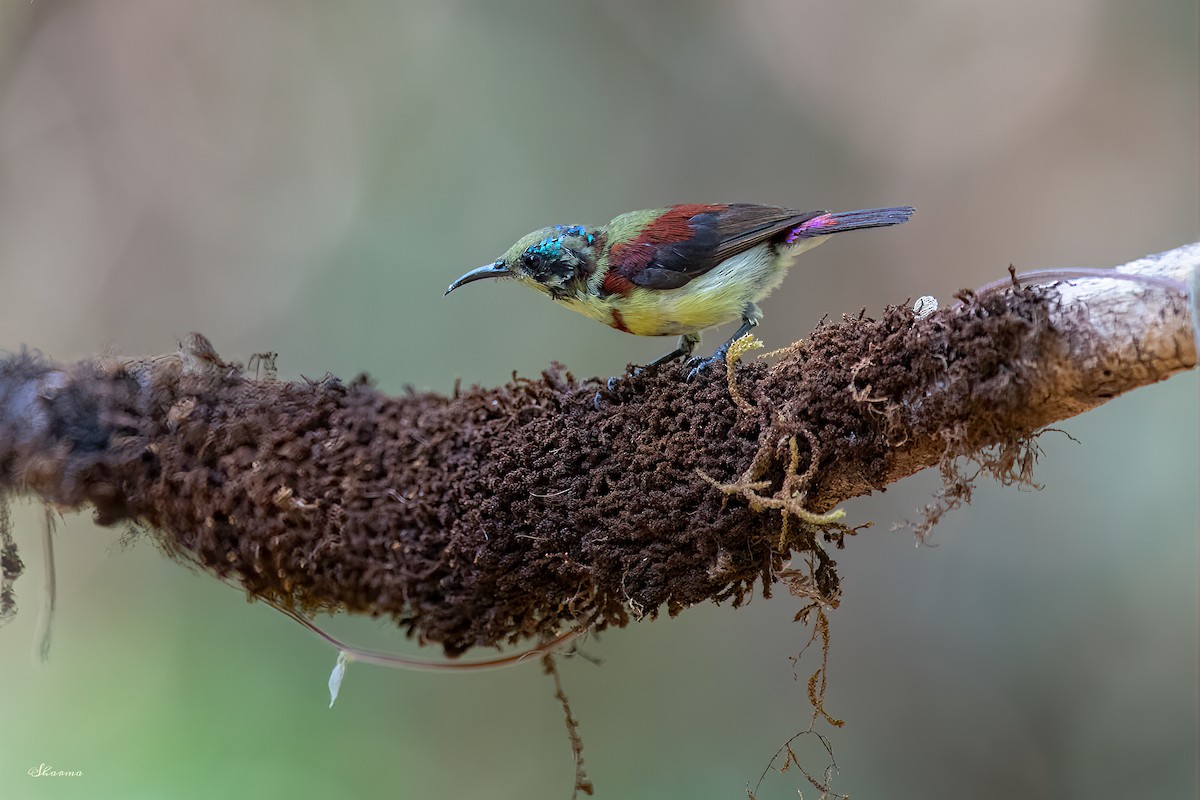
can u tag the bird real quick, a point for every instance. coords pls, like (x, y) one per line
(674, 271)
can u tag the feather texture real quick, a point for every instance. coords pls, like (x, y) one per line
(682, 242)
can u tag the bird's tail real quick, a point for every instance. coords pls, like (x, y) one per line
(828, 223)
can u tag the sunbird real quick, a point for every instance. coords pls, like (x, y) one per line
(674, 271)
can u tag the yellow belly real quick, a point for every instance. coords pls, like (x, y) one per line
(651, 312)
(658, 312)
(712, 299)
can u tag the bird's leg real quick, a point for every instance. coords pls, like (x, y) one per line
(751, 316)
(687, 345)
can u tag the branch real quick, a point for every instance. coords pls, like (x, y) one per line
(499, 514)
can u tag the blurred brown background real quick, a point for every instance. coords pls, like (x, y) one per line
(307, 177)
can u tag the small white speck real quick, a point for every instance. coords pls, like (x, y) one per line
(925, 306)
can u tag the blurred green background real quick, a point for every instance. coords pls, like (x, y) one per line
(307, 177)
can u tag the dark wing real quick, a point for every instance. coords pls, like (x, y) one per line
(688, 241)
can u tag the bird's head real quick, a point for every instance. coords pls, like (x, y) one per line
(553, 260)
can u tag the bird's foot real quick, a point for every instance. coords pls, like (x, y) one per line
(613, 384)
(631, 372)
(699, 365)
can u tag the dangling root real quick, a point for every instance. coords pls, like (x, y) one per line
(792, 504)
(789, 500)
(736, 350)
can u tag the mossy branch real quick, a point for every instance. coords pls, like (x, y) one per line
(499, 514)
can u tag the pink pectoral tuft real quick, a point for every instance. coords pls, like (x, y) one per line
(826, 224)
(814, 224)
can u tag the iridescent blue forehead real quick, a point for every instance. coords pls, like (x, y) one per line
(552, 246)
(573, 230)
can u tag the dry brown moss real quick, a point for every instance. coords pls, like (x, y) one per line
(500, 514)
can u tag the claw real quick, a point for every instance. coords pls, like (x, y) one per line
(608, 393)
(704, 363)
(615, 380)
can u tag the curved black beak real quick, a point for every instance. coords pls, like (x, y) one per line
(494, 270)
